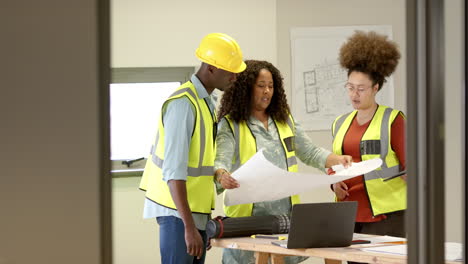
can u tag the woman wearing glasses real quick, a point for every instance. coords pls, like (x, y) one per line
(371, 131)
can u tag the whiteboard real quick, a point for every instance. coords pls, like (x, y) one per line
(318, 94)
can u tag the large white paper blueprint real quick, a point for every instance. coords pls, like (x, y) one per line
(260, 180)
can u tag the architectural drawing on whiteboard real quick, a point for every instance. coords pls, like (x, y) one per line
(310, 89)
(323, 85)
(318, 94)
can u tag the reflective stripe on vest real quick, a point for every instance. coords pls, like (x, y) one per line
(384, 196)
(200, 163)
(246, 147)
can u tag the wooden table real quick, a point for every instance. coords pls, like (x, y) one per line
(264, 250)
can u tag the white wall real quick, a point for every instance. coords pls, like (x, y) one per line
(148, 33)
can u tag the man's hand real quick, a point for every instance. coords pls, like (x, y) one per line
(194, 242)
(225, 179)
(334, 159)
(341, 190)
(193, 239)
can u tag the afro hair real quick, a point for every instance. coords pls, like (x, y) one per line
(370, 53)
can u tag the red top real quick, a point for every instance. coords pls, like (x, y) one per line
(355, 185)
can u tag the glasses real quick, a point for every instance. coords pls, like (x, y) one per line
(358, 88)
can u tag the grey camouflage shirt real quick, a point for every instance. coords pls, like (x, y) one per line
(269, 141)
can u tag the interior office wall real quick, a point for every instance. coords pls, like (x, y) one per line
(454, 78)
(320, 13)
(149, 33)
(50, 133)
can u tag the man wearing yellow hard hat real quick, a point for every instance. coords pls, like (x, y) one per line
(178, 176)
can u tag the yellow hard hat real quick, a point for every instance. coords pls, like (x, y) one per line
(221, 51)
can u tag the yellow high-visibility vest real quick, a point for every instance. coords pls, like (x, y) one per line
(200, 185)
(384, 196)
(246, 147)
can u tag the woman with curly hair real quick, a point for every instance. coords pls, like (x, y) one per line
(255, 115)
(370, 131)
